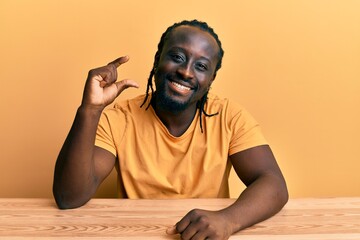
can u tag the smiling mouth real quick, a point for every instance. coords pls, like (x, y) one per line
(180, 87)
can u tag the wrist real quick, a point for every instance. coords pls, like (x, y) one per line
(234, 223)
(90, 110)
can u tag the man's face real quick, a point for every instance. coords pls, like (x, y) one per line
(186, 68)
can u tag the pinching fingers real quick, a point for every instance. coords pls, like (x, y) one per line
(126, 83)
(117, 62)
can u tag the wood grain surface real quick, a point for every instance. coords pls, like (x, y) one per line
(315, 219)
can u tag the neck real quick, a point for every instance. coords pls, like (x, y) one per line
(177, 122)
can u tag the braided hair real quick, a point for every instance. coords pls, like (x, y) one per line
(194, 23)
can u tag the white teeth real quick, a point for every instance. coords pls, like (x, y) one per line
(181, 87)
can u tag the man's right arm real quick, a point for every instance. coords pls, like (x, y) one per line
(81, 166)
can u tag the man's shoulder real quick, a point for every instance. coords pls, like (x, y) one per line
(216, 102)
(213, 98)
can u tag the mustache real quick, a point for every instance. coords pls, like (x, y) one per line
(194, 85)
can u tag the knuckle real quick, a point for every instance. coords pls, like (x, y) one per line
(125, 82)
(204, 220)
(212, 229)
(91, 72)
(112, 67)
(195, 212)
(122, 84)
(178, 229)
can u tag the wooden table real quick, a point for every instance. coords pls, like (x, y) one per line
(316, 219)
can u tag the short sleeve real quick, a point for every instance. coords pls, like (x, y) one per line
(246, 132)
(109, 128)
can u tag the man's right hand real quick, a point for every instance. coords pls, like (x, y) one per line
(81, 166)
(101, 87)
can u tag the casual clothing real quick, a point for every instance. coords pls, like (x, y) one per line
(154, 164)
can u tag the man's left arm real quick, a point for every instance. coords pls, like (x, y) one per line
(265, 195)
(266, 192)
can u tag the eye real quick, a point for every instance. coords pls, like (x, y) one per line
(201, 66)
(177, 57)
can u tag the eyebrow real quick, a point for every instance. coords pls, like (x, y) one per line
(184, 50)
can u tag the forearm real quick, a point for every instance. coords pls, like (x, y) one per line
(74, 178)
(262, 199)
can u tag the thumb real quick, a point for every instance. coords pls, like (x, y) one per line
(171, 230)
(124, 84)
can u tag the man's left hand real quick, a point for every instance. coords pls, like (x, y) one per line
(202, 224)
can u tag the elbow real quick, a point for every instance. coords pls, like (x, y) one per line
(283, 194)
(67, 202)
(61, 201)
(63, 204)
(279, 192)
(285, 197)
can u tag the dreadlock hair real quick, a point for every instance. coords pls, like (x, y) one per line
(194, 23)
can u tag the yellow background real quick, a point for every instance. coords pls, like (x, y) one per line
(295, 65)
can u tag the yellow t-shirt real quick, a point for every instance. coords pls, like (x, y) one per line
(154, 164)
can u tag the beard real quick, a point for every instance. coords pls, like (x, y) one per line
(168, 103)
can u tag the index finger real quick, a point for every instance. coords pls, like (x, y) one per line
(117, 62)
(171, 230)
(183, 223)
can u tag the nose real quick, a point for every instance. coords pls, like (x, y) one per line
(185, 71)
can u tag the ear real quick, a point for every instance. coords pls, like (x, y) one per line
(211, 81)
(213, 78)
